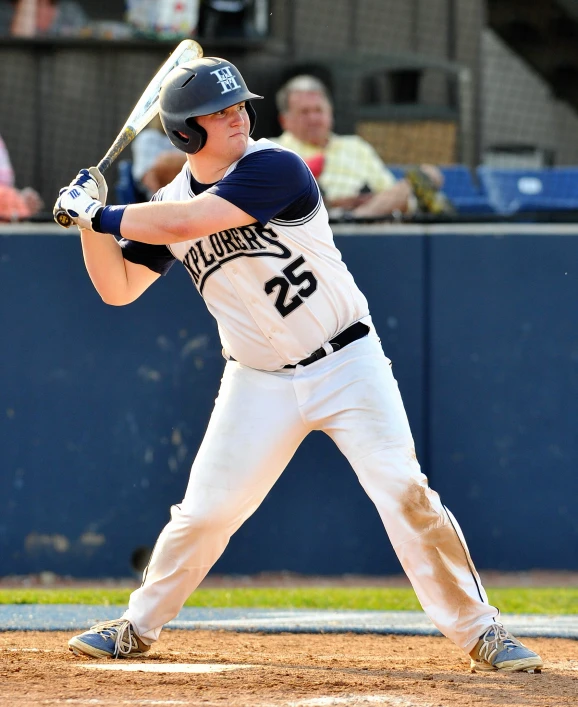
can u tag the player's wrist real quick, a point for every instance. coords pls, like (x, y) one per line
(107, 219)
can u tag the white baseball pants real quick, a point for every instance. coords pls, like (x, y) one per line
(259, 420)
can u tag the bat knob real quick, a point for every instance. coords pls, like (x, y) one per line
(63, 219)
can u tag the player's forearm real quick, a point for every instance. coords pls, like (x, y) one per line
(160, 223)
(106, 267)
(166, 222)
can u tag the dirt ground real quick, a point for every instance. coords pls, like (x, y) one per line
(280, 670)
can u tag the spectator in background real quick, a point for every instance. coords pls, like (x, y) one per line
(15, 204)
(155, 161)
(351, 174)
(41, 18)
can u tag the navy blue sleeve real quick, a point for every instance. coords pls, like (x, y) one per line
(157, 258)
(270, 184)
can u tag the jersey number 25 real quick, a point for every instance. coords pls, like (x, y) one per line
(283, 303)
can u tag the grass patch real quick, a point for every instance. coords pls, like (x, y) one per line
(510, 601)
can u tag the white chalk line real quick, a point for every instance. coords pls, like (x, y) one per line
(345, 701)
(359, 701)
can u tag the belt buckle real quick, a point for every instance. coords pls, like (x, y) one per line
(316, 355)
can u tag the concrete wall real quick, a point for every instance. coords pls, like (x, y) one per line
(518, 107)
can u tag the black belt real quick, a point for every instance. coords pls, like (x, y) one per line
(353, 333)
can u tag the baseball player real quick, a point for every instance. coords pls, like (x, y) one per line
(247, 221)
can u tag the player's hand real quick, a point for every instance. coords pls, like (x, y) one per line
(92, 182)
(78, 205)
(83, 197)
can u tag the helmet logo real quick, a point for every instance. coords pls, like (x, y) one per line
(226, 79)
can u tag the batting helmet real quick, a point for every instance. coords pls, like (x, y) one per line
(200, 87)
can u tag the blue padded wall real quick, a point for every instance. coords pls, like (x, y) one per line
(102, 409)
(504, 395)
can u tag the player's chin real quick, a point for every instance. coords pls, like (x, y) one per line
(238, 143)
(240, 138)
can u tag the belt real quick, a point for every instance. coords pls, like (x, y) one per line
(353, 333)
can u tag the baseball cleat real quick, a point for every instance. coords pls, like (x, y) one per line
(497, 649)
(109, 639)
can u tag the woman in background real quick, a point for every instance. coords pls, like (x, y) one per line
(15, 204)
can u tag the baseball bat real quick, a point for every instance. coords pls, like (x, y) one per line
(144, 111)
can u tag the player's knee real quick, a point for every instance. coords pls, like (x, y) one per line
(198, 520)
(420, 507)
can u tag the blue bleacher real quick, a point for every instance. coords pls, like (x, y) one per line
(459, 187)
(518, 191)
(463, 192)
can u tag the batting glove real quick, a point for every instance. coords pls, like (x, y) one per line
(83, 197)
(95, 185)
(78, 205)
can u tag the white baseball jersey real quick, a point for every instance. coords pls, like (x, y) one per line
(278, 288)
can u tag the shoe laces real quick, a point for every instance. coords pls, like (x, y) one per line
(494, 641)
(119, 630)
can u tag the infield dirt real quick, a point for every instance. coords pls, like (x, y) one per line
(287, 670)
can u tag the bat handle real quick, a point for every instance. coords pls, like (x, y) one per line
(104, 164)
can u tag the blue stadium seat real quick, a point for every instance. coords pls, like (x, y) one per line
(514, 191)
(463, 192)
